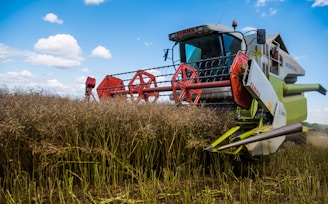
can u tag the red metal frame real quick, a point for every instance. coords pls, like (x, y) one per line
(241, 96)
(144, 80)
(89, 85)
(188, 76)
(110, 91)
(110, 87)
(145, 86)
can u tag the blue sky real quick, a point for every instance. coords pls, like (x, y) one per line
(55, 44)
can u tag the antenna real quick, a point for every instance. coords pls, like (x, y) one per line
(219, 21)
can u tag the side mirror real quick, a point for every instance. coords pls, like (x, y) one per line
(261, 36)
(166, 53)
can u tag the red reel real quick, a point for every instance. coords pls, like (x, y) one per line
(186, 76)
(140, 81)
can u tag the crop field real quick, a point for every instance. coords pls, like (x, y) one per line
(61, 150)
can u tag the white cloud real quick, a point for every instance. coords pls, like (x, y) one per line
(273, 11)
(320, 3)
(5, 61)
(96, 2)
(75, 88)
(50, 74)
(16, 79)
(301, 57)
(263, 14)
(61, 50)
(17, 75)
(85, 70)
(148, 44)
(318, 116)
(26, 73)
(25, 80)
(63, 45)
(248, 29)
(54, 83)
(81, 80)
(157, 75)
(101, 51)
(260, 3)
(7, 52)
(52, 18)
(52, 61)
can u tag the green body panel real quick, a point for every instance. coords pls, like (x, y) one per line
(250, 113)
(277, 85)
(296, 108)
(296, 104)
(300, 88)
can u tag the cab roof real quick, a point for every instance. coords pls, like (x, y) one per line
(202, 30)
(278, 39)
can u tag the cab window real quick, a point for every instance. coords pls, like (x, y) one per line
(209, 46)
(231, 44)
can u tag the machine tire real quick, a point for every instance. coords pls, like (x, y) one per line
(297, 138)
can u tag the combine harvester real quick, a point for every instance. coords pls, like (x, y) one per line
(221, 67)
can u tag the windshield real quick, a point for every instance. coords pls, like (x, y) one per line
(222, 47)
(209, 46)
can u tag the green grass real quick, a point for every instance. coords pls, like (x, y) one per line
(59, 150)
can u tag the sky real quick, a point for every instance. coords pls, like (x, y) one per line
(53, 45)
